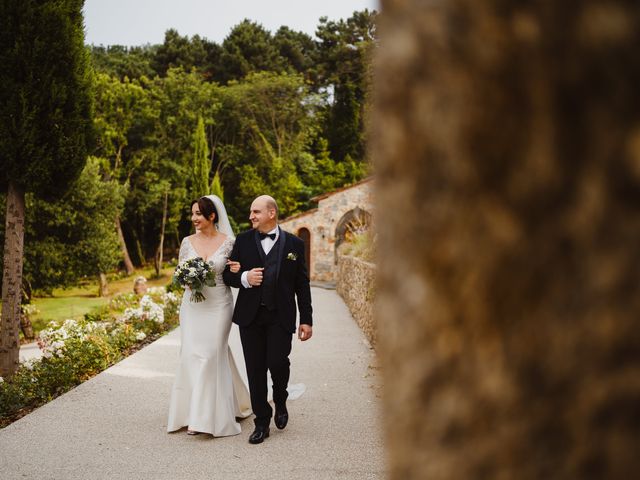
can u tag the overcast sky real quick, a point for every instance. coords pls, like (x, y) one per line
(137, 22)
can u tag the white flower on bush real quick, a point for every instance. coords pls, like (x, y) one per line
(170, 299)
(70, 323)
(1, 379)
(116, 330)
(96, 327)
(148, 310)
(146, 301)
(53, 340)
(131, 314)
(29, 309)
(141, 336)
(156, 290)
(155, 313)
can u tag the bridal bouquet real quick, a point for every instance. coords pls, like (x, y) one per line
(195, 273)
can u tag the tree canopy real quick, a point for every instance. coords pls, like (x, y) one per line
(280, 113)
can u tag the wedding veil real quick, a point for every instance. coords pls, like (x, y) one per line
(223, 219)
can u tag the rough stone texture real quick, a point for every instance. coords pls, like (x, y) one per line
(323, 221)
(506, 141)
(356, 282)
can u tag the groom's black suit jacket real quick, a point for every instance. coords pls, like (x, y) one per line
(292, 279)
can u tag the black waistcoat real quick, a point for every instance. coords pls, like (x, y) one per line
(270, 276)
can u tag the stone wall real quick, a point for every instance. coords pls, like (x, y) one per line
(356, 280)
(322, 223)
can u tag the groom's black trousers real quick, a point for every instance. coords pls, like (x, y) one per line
(267, 345)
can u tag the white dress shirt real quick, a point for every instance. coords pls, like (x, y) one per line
(267, 244)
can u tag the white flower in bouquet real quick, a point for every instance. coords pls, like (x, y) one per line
(194, 274)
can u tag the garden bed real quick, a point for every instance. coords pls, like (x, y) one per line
(74, 350)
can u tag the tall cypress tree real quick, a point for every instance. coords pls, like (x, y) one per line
(45, 127)
(201, 162)
(216, 186)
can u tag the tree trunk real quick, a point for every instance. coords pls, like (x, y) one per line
(506, 141)
(103, 289)
(158, 263)
(12, 281)
(136, 241)
(26, 327)
(128, 265)
(25, 320)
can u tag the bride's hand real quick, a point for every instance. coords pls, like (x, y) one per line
(234, 267)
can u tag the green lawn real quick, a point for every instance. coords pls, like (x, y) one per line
(75, 302)
(63, 307)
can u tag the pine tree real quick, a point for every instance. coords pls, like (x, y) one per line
(45, 127)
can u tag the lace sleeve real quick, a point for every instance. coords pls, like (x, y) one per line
(184, 251)
(228, 246)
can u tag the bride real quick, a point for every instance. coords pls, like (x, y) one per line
(208, 392)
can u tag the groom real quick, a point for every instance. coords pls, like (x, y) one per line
(273, 273)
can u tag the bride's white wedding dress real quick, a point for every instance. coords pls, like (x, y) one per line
(208, 393)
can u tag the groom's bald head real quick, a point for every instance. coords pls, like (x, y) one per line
(269, 203)
(264, 213)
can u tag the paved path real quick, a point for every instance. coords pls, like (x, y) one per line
(29, 351)
(114, 425)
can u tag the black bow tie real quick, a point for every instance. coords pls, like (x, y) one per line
(272, 236)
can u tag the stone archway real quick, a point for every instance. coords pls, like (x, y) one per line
(353, 222)
(305, 236)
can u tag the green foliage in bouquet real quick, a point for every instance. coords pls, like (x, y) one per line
(194, 274)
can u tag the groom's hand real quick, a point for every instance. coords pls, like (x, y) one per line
(254, 276)
(305, 332)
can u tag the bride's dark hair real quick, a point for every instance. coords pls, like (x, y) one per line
(206, 207)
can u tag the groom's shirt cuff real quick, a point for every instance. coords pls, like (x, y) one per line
(243, 280)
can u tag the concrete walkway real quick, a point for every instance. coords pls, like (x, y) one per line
(114, 425)
(30, 351)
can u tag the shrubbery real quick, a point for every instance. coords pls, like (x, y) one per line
(76, 350)
(360, 245)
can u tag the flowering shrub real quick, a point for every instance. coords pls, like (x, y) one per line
(75, 350)
(29, 309)
(123, 301)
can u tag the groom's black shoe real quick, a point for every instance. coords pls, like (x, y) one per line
(259, 434)
(281, 417)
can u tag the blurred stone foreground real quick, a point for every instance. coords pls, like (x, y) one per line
(506, 139)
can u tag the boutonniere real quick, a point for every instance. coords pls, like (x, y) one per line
(292, 256)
